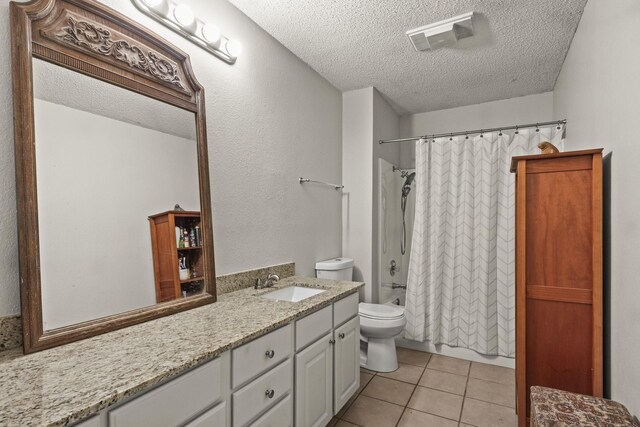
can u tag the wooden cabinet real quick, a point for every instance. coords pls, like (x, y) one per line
(170, 251)
(558, 274)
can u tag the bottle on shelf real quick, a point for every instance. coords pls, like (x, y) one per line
(186, 238)
(198, 235)
(192, 237)
(181, 241)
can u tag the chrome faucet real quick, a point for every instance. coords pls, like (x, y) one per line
(271, 279)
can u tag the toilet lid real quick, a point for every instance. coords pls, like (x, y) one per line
(379, 311)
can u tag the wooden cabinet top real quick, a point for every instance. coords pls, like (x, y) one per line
(516, 159)
(176, 213)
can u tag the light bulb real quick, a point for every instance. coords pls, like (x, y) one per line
(159, 6)
(211, 33)
(234, 48)
(184, 15)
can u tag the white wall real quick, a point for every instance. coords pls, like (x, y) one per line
(270, 119)
(506, 112)
(366, 118)
(357, 178)
(386, 125)
(93, 224)
(598, 91)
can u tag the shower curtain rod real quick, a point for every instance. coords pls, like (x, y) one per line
(471, 132)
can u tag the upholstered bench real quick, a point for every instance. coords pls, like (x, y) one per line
(557, 408)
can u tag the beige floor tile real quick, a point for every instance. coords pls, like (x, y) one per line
(449, 364)
(484, 414)
(368, 371)
(370, 412)
(413, 418)
(333, 422)
(407, 373)
(443, 381)
(497, 374)
(501, 394)
(364, 380)
(412, 357)
(346, 406)
(436, 402)
(343, 423)
(389, 390)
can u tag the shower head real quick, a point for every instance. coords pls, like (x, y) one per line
(406, 188)
(409, 179)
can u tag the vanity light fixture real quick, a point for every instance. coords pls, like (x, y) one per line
(181, 18)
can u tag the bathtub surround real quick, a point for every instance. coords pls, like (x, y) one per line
(57, 386)
(598, 91)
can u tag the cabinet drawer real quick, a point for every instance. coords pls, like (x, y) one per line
(312, 327)
(215, 417)
(255, 357)
(252, 399)
(175, 402)
(345, 309)
(280, 415)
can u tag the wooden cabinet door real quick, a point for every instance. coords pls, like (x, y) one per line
(347, 362)
(314, 384)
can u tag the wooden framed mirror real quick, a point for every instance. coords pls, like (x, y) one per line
(110, 134)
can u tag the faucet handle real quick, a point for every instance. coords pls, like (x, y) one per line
(273, 277)
(258, 283)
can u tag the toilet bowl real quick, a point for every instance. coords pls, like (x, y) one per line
(379, 323)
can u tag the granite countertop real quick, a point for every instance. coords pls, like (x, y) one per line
(65, 384)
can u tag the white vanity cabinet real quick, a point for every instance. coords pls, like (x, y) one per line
(310, 365)
(327, 361)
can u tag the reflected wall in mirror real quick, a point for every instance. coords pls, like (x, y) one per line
(106, 160)
(111, 171)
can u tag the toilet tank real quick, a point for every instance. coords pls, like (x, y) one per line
(335, 269)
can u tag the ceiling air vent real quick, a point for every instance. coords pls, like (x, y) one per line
(442, 33)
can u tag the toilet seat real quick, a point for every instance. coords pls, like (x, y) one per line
(379, 311)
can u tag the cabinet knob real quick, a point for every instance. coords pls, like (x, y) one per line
(341, 335)
(332, 341)
(270, 354)
(270, 393)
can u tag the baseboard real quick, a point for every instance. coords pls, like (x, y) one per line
(460, 353)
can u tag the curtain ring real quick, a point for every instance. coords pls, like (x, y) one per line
(466, 135)
(481, 133)
(500, 132)
(537, 128)
(451, 136)
(558, 127)
(517, 132)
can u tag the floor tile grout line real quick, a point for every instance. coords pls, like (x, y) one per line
(492, 403)
(464, 396)
(415, 387)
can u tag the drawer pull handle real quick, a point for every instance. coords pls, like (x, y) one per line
(341, 335)
(332, 341)
(270, 354)
(270, 393)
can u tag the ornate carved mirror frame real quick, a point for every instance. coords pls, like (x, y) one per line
(90, 38)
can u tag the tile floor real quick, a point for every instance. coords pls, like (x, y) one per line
(432, 390)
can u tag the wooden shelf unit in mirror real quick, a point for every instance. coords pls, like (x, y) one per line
(91, 39)
(173, 249)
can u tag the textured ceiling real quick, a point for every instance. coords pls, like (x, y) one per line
(518, 49)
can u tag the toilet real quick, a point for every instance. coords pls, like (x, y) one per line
(379, 323)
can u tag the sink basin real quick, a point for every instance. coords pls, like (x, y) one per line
(293, 293)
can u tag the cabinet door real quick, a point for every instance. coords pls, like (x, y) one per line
(314, 384)
(347, 362)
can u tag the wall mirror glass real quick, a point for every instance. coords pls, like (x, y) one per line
(110, 137)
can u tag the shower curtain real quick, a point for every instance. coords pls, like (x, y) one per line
(461, 283)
